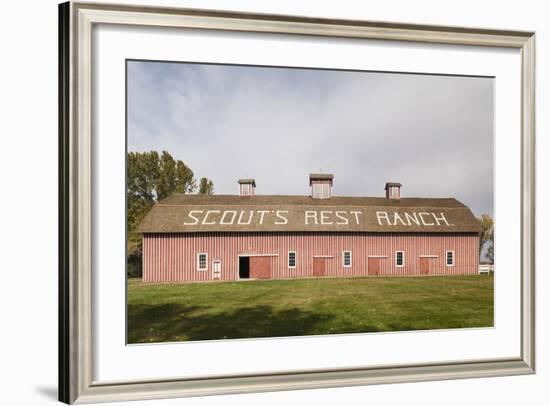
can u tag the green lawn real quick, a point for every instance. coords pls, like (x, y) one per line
(209, 311)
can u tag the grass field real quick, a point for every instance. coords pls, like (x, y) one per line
(209, 311)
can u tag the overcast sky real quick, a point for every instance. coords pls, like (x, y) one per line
(434, 134)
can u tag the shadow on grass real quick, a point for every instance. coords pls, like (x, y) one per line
(175, 322)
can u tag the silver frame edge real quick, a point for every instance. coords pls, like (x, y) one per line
(81, 387)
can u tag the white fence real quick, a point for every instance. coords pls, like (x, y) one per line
(487, 269)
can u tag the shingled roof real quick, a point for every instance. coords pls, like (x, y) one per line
(181, 213)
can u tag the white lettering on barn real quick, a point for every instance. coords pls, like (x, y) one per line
(311, 214)
(396, 216)
(232, 213)
(441, 218)
(342, 220)
(206, 217)
(421, 215)
(236, 217)
(423, 218)
(281, 217)
(262, 214)
(192, 215)
(325, 217)
(329, 217)
(412, 219)
(249, 221)
(383, 215)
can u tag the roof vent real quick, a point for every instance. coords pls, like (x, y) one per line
(247, 187)
(393, 190)
(321, 185)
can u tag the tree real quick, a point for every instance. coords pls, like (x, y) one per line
(206, 186)
(487, 235)
(490, 254)
(150, 177)
(174, 176)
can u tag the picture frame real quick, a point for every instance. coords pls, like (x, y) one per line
(76, 215)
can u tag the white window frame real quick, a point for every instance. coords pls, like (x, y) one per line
(344, 259)
(288, 259)
(402, 259)
(199, 261)
(447, 258)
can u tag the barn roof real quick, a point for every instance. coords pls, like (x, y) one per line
(230, 213)
(320, 176)
(247, 181)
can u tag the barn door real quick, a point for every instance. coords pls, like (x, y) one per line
(373, 266)
(425, 265)
(217, 269)
(319, 267)
(260, 267)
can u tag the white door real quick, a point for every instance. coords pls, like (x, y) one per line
(217, 269)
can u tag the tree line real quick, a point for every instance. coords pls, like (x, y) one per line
(152, 177)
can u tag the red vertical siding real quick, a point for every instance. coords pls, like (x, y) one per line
(173, 257)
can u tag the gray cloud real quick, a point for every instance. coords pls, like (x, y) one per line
(432, 133)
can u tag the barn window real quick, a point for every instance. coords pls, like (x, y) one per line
(347, 259)
(292, 259)
(450, 258)
(399, 258)
(325, 191)
(321, 190)
(202, 261)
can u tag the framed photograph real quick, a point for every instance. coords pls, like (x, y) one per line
(263, 202)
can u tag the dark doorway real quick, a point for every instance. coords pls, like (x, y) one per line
(244, 267)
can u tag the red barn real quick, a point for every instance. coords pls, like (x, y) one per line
(188, 238)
